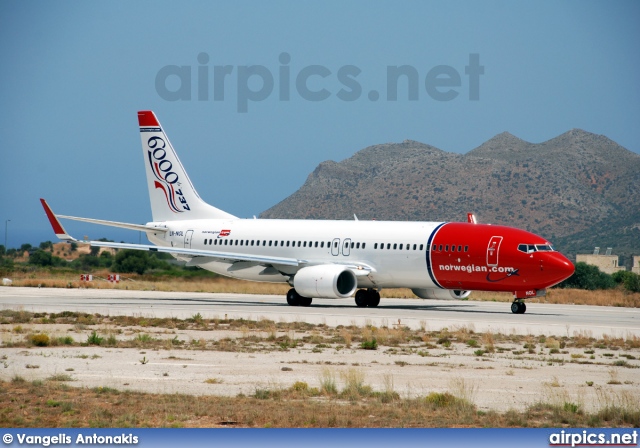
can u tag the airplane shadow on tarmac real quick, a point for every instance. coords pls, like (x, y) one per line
(457, 307)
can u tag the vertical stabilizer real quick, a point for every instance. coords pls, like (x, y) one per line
(172, 194)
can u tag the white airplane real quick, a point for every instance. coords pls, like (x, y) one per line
(332, 259)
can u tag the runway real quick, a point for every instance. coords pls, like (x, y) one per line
(548, 319)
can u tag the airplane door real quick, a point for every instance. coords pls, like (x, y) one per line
(335, 247)
(346, 247)
(187, 239)
(492, 250)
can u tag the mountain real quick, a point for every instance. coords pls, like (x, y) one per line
(579, 189)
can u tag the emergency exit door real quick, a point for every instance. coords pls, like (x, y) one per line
(492, 250)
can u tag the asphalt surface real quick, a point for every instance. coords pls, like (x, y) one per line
(540, 318)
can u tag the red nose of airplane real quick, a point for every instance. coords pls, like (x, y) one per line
(558, 267)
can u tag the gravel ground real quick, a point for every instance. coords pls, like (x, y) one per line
(509, 378)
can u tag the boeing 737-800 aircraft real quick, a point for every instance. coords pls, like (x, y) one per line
(332, 259)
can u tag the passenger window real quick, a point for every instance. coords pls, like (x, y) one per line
(352, 245)
(363, 244)
(316, 244)
(357, 245)
(205, 242)
(400, 247)
(421, 247)
(305, 244)
(466, 248)
(321, 243)
(446, 248)
(270, 241)
(388, 246)
(453, 248)
(441, 248)
(375, 245)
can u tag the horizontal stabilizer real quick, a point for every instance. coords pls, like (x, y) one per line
(63, 235)
(55, 223)
(122, 225)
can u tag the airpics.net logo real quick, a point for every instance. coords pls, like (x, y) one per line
(208, 81)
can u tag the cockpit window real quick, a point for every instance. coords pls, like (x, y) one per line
(527, 248)
(530, 248)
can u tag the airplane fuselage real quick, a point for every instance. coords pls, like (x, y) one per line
(460, 256)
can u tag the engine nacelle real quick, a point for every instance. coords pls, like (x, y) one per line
(328, 281)
(441, 294)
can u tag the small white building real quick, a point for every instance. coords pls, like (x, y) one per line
(606, 263)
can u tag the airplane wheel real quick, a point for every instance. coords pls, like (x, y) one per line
(304, 301)
(373, 298)
(293, 298)
(518, 307)
(361, 298)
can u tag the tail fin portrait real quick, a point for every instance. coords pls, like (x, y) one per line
(171, 192)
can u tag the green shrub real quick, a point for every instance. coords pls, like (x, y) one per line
(40, 340)
(370, 344)
(94, 339)
(588, 277)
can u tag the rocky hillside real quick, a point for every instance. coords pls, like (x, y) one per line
(579, 189)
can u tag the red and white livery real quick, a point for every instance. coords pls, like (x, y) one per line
(332, 259)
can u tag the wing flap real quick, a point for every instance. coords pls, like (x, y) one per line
(209, 254)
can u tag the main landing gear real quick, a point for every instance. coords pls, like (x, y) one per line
(295, 299)
(518, 307)
(367, 297)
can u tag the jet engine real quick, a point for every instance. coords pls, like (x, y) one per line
(441, 294)
(328, 281)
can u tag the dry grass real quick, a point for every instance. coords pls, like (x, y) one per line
(54, 404)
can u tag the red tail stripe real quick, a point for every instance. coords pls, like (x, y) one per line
(147, 118)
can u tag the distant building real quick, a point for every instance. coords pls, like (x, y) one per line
(636, 264)
(606, 263)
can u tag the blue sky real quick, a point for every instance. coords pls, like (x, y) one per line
(74, 74)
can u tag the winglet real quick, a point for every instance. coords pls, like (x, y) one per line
(471, 218)
(55, 223)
